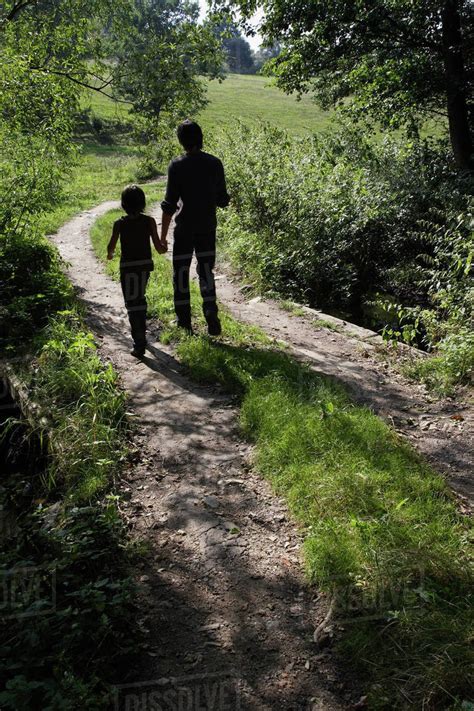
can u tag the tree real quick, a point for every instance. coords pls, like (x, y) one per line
(238, 55)
(61, 40)
(398, 61)
(264, 54)
(160, 59)
(46, 51)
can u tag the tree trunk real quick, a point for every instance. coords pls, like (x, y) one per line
(458, 115)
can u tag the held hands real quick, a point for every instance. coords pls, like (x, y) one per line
(162, 247)
(110, 254)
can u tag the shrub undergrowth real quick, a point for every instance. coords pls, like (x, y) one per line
(376, 231)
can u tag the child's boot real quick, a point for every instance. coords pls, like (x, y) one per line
(138, 327)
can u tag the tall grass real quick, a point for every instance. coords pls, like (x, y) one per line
(65, 509)
(382, 533)
(86, 410)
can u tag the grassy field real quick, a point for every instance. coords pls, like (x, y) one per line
(244, 97)
(252, 99)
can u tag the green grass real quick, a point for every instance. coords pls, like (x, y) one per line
(252, 99)
(382, 533)
(105, 107)
(86, 411)
(100, 174)
(292, 308)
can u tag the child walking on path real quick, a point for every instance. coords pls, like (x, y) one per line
(135, 231)
(196, 185)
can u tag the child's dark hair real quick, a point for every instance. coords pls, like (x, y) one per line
(190, 135)
(133, 200)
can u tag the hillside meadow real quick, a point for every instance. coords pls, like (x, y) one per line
(252, 99)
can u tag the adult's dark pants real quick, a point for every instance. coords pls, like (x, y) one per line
(204, 245)
(134, 282)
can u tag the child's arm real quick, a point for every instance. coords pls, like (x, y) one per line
(161, 246)
(165, 223)
(113, 240)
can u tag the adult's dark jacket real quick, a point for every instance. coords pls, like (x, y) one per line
(196, 184)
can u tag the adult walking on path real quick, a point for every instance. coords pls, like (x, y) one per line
(196, 185)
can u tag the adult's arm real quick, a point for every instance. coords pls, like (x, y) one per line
(170, 204)
(165, 223)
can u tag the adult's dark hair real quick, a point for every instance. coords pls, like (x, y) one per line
(190, 135)
(133, 200)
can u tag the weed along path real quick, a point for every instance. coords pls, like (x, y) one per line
(225, 605)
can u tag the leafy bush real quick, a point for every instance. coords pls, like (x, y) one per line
(33, 164)
(32, 287)
(340, 221)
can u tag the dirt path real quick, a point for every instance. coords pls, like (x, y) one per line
(223, 588)
(223, 591)
(443, 430)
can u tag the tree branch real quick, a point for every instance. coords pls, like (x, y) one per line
(409, 38)
(17, 8)
(66, 75)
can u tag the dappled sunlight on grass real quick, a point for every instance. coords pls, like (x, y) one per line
(377, 518)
